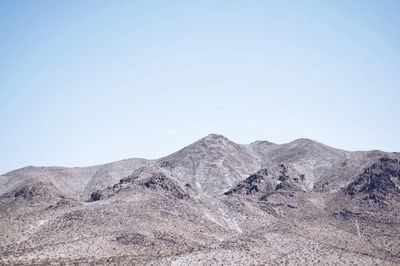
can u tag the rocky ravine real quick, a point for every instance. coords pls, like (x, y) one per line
(213, 202)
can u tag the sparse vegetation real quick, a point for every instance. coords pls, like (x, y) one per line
(278, 210)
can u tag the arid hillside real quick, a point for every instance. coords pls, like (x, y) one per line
(214, 202)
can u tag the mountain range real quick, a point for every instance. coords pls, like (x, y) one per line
(213, 202)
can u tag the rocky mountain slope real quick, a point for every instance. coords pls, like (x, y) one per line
(212, 202)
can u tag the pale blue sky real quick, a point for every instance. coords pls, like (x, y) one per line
(89, 82)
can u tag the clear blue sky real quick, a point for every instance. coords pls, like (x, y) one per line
(89, 82)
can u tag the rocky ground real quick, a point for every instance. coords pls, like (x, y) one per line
(214, 202)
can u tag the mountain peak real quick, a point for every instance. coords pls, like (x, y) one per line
(215, 139)
(304, 142)
(261, 142)
(214, 136)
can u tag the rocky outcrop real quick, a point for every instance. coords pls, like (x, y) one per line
(378, 182)
(26, 193)
(159, 181)
(34, 193)
(278, 179)
(95, 196)
(143, 178)
(251, 185)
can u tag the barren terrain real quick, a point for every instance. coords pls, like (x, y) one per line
(214, 202)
